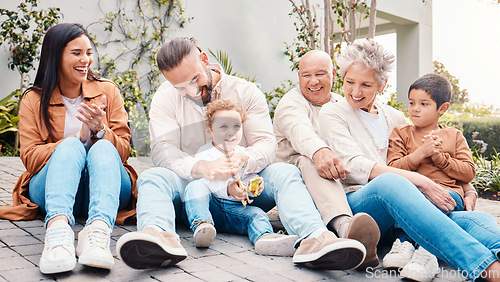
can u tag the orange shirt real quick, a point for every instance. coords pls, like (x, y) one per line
(454, 164)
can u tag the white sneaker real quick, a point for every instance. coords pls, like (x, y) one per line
(276, 244)
(204, 235)
(399, 255)
(93, 245)
(59, 250)
(423, 266)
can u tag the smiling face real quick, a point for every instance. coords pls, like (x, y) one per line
(422, 110)
(316, 76)
(361, 87)
(75, 61)
(226, 129)
(191, 77)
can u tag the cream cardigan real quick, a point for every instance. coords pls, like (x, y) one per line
(344, 131)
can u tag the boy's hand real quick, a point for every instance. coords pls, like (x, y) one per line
(431, 145)
(470, 202)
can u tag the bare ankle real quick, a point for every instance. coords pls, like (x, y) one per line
(59, 217)
(492, 272)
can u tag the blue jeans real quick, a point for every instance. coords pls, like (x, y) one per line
(161, 192)
(402, 236)
(74, 182)
(468, 241)
(228, 216)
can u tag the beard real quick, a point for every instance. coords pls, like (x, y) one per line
(204, 99)
(208, 87)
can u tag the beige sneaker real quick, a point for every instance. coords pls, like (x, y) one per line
(204, 235)
(93, 245)
(329, 252)
(364, 229)
(59, 250)
(276, 244)
(423, 266)
(399, 255)
(150, 248)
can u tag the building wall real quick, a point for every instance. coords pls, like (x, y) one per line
(252, 33)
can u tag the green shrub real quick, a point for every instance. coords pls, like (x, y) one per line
(487, 171)
(480, 133)
(8, 124)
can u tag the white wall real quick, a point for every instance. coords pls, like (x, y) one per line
(251, 32)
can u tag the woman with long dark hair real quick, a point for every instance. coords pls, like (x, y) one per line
(74, 145)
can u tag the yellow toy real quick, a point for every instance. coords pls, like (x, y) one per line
(253, 187)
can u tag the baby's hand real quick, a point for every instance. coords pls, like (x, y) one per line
(236, 191)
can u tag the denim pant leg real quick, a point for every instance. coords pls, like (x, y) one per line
(231, 217)
(398, 232)
(484, 228)
(458, 200)
(283, 187)
(55, 186)
(197, 198)
(160, 198)
(109, 183)
(390, 198)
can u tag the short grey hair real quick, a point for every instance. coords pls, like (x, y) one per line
(370, 54)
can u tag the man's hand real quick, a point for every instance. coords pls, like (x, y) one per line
(239, 160)
(222, 168)
(328, 164)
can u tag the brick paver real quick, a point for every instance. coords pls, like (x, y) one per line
(230, 257)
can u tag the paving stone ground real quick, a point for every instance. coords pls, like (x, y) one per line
(229, 258)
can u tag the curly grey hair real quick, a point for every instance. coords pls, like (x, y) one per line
(370, 54)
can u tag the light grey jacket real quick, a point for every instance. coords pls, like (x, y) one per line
(296, 126)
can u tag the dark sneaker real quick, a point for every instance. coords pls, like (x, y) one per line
(364, 229)
(150, 248)
(329, 252)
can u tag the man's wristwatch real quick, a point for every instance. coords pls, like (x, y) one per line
(100, 133)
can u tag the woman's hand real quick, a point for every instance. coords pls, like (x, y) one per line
(436, 194)
(92, 119)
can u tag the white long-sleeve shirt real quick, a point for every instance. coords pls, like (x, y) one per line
(209, 152)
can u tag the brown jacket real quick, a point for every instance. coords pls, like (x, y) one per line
(37, 145)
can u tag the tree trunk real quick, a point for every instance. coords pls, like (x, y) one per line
(326, 41)
(373, 16)
(352, 26)
(310, 28)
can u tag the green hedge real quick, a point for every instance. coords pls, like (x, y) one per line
(487, 128)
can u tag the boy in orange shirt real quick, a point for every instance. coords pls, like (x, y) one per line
(439, 152)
